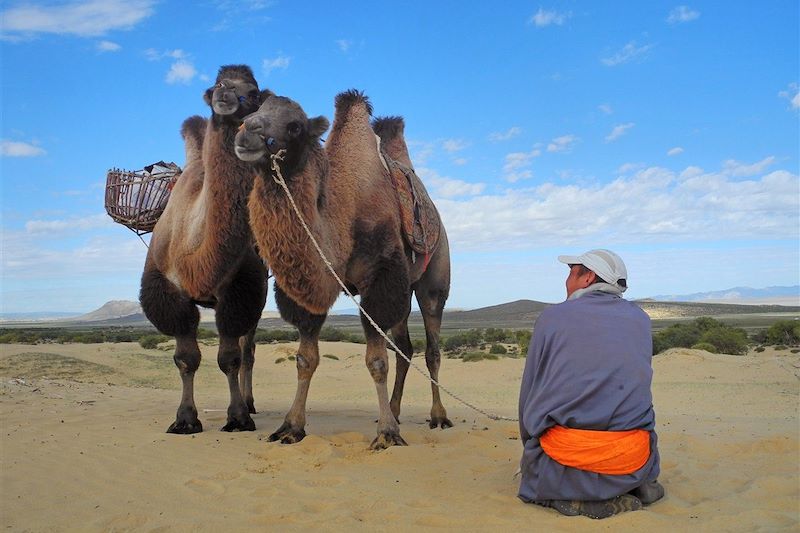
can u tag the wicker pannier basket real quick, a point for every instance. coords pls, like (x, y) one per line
(137, 198)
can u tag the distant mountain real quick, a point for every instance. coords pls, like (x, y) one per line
(781, 295)
(109, 311)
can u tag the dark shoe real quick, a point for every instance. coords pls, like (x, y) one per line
(595, 509)
(649, 492)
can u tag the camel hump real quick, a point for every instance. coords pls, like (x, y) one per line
(347, 100)
(388, 128)
(193, 132)
(420, 219)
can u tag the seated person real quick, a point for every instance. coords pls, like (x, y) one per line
(585, 407)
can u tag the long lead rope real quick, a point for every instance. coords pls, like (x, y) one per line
(277, 177)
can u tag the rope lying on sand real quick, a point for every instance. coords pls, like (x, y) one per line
(278, 178)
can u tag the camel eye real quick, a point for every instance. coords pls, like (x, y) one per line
(294, 129)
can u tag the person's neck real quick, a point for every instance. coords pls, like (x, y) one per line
(601, 287)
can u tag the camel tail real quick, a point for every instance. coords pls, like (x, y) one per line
(347, 100)
(388, 128)
(193, 132)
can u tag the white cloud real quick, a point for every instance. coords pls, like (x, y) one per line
(682, 14)
(506, 135)
(792, 94)
(630, 167)
(454, 145)
(86, 18)
(629, 52)
(460, 161)
(52, 227)
(562, 144)
(516, 166)
(444, 187)
(544, 18)
(281, 62)
(605, 108)
(20, 149)
(618, 131)
(741, 170)
(675, 151)
(108, 46)
(344, 45)
(181, 71)
(654, 205)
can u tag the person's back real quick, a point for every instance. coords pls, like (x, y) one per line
(588, 368)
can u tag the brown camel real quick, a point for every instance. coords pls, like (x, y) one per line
(345, 196)
(202, 253)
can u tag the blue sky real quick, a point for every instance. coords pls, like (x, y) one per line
(667, 132)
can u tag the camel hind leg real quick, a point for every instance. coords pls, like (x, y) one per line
(174, 314)
(432, 291)
(248, 346)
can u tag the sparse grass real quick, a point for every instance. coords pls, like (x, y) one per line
(471, 357)
(329, 356)
(280, 360)
(53, 366)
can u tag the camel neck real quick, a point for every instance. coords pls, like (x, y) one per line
(226, 185)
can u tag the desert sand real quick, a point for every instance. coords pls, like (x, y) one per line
(84, 448)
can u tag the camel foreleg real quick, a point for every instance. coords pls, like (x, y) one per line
(293, 428)
(402, 339)
(238, 310)
(174, 314)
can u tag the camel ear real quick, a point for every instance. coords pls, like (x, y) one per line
(266, 93)
(317, 126)
(207, 95)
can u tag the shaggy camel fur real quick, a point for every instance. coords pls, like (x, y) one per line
(202, 253)
(346, 199)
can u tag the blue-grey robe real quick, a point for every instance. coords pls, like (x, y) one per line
(588, 367)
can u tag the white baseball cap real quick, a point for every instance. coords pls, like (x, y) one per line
(605, 263)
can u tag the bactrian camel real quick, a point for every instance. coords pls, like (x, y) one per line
(202, 253)
(345, 196)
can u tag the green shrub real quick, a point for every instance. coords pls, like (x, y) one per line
(264, 336)
(781, 347)
(760, 349)
(726, 339)
(330, 356)
(152, 341)
(523, 338)
(204, 333)
(784, 332)
(705, 346)
(418, 345)
(471, 357)
(498, 349)
(280, 360)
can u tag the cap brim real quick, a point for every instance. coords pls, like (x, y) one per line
(570, 259)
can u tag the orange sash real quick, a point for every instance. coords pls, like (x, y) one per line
(603, 452)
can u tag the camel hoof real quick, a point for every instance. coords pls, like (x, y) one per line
(442, 422)
(287, 435)
(251, 408)
(239, 425)
(182, 427)
(385, 440)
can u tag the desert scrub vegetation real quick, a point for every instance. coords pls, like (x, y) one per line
(704, 331)
(494, 337)
(79, 336)
(786, 332)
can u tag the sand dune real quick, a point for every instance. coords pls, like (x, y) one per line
(84, 448)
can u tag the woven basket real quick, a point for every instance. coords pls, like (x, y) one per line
(137, 198)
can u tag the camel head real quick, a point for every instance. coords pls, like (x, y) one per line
(235, 93)
(280, 123)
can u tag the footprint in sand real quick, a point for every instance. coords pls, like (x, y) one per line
(205, 486)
